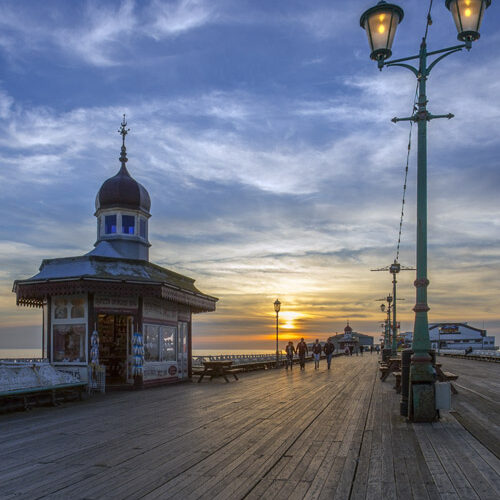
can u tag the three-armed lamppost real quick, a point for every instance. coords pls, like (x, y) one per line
(277, 307)
(380, 23)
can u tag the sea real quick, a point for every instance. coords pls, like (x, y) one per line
(37, 353)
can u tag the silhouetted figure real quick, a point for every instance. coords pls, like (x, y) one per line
(316, 350)
(290, 351)
(302, 351)
(329, 349)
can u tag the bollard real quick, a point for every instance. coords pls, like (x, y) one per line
(405, 380)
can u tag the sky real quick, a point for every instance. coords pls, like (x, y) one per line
(262, 131)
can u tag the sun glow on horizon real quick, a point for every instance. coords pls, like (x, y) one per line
(289, 318)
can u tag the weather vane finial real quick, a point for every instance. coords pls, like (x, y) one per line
(123, 131)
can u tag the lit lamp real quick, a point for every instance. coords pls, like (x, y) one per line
(277, 307)
(467, 15)
(380, 23)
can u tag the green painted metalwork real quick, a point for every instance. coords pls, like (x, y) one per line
(422, 373)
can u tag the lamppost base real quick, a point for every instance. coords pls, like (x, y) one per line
(422, 407)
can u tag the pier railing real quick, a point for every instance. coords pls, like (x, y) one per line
(23, 361)
(481, 355)
(239, 359)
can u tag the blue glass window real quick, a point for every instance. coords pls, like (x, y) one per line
(143, 228)
(110, 224)
(128, 223)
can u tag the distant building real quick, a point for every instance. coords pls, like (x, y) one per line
(350, 338)
(116, 292)
(457, 336)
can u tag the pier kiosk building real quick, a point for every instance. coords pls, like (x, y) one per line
(351, 339)
(115, 291)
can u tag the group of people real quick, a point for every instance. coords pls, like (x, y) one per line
(302, 351)
(328, 348)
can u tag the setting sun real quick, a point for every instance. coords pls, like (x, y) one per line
(288, 318)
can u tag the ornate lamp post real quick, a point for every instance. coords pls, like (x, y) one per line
(277, 307)
(380, 23)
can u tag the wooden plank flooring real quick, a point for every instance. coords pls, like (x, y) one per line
(273, 434)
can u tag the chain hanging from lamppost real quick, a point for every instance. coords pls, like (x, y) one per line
(277, 307)
(380, 23)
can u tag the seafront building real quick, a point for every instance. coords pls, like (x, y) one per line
(456, 336)
(351, 339)
(101, 299)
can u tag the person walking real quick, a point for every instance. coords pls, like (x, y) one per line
(290, 351)
(316, 350)
(361, 349)
(371, 349)
(302, 351)
(329, 349)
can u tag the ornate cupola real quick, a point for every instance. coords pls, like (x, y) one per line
(122, 211)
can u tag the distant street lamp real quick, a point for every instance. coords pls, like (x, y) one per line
(380, 23)
(394, 269)
(277, 307)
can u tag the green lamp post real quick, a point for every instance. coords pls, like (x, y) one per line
(277, 307)
(380, 23)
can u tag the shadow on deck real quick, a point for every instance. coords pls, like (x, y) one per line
(275, 434)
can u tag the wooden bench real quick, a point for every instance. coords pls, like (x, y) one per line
(34, 392)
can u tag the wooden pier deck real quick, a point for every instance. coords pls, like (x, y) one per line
(274, 434)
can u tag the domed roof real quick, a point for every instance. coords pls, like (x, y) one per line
(347, 328)
(123, 191)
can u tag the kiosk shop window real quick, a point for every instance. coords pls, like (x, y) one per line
(160, 343)
(69, 343)
(151, 336)
(167, 340)
(69, 329)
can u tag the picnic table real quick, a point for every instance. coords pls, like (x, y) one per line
(218, 369)
(393, 365)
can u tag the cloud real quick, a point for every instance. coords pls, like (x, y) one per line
(102, 35)
(174, 18)
(264, 183)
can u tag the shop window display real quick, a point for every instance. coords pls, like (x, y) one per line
(69, 342)
(69, 329)
(160, 343)
(168, 334)
(151, 336)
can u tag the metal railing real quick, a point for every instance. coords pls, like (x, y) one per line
(238, 359)
(483, 355)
